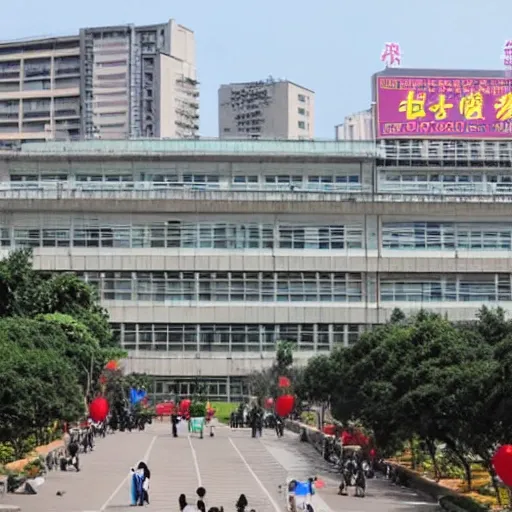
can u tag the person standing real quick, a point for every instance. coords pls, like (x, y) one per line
(201, 493)
(175, 419)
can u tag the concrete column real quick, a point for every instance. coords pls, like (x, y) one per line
(371, 232)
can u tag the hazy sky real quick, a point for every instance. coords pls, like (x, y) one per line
(330, 46)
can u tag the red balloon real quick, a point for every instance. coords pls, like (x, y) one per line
(284, 405)
(185, 406)
(502, 462)
(269, 403)
(98, 409)
(284, 382)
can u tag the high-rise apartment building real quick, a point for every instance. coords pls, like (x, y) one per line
(357, 126)
(40, 89)
(271, 109)
(139, 82)
(110, 82)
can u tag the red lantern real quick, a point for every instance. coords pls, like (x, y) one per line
(284, 405)
(502, 462)
(112, 365)
(98, 409)
(269, 403)
(284, 382)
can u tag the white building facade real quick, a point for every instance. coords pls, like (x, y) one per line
(271, 109)
(357, 126)
(206, 253)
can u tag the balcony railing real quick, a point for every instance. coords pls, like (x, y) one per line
(212, 192)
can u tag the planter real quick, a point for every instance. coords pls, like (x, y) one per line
(44, 450)
(196, 425)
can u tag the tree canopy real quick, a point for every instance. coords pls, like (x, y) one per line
(427, 378)
(55, 340)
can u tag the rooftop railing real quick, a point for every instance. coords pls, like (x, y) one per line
(214, 147)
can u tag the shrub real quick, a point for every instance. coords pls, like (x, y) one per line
(197, 410)
(7, 453)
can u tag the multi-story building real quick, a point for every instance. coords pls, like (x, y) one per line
(40, 89)
(112, 82)
(271, 109)
(139, 82)
(357, 126)
(207, 252)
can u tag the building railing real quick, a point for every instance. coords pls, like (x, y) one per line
(364, 149)
(353, 192)
(121, 186)
(439, 188)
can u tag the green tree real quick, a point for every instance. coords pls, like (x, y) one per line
(37, 387)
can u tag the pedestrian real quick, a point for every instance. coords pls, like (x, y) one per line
(201, 493)
(146, 475)
(175, 419)
(242, 503)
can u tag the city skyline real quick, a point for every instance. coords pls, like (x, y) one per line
(316, 50)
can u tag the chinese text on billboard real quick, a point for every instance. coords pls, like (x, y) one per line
(471, 108)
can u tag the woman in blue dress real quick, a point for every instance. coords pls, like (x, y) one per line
(140, 485)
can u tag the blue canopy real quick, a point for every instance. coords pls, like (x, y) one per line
(136, 395)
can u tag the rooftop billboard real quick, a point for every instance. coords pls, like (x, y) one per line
(437, 107)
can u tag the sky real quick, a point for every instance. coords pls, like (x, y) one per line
(330, 46)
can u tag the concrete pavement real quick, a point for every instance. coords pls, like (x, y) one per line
(226, 465)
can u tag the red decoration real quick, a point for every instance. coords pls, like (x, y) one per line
(355, 438)
(329, 429)
(284, 405)
(269, 403)
(502, 462)
(319, 484)
(373, 453)
(112, 365)
(185, 407)
(103, 379)
(98, 409)
(164, 408)
(284, 382)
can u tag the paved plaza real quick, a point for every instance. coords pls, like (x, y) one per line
(226, 465)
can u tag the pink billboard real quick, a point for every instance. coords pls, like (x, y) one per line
(436, 107)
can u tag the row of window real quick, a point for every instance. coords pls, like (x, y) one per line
(175, 234)
(193, 178)
(216, 389)
(222, 235)
(446, 235)
(227, 286)
(476, 288)
(434, 176)
(296, 287)
(233, 337)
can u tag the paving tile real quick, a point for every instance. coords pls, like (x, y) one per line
(228, 464)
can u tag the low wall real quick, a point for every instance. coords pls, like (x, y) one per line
(44, 450)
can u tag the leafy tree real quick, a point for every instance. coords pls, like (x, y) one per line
(37, 387)
(56, 339)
